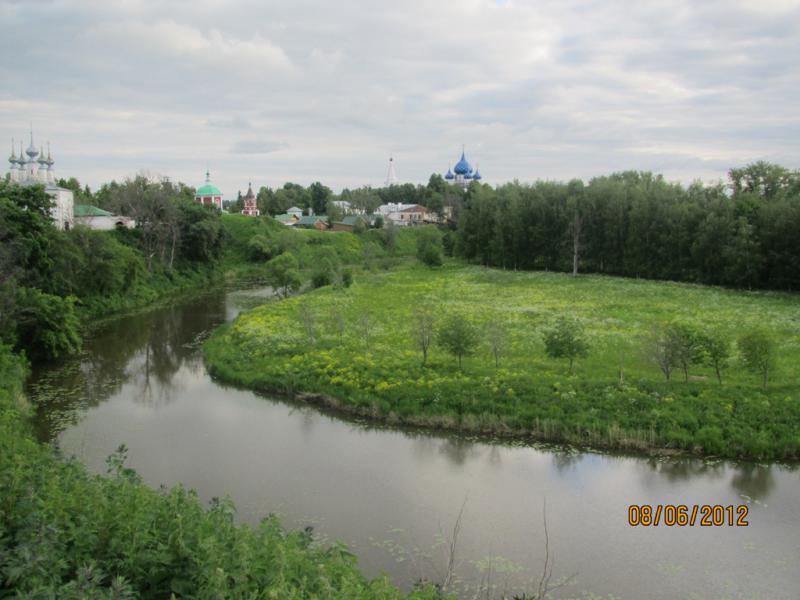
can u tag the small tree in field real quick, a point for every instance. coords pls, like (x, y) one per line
(458, 336)
(686, 346)
(757, 349)
(283, 274)
(716, 350)
(424, 331)
(566, 340)
(497, 337)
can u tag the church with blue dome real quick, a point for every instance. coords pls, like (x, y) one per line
(462, 173)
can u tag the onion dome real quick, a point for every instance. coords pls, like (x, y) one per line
(477, 175)
(462, 166)
(32, 152)
(250, 195)
(42, 158)
(208, 189)
(50, 161)
(13, 158)
(449, 174)
(468, 176)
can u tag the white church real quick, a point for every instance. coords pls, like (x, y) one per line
(37, 169)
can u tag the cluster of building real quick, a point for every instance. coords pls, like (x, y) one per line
(33, 167)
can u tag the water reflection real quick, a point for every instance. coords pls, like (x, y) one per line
(143, 351)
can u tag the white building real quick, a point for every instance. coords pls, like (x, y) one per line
(33, 171)
(97, 218)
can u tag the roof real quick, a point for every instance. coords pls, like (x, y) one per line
(208, 190)
(294, 209)
(285, 218)
(87, 210)
(415, 208)
(352, 220)
(310, 220)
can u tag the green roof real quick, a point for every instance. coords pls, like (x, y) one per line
(87, 210)
(352, 220)
(284, 218)
(311, 220)
(208, 190)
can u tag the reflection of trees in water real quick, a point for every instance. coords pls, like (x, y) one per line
(563, 460)
(675, 470)
(458, 450)
(146, 350)
(756, 481)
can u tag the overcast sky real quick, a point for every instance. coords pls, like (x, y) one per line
(300, 91)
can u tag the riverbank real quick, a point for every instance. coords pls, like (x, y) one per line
(356, 350)
(69, 534)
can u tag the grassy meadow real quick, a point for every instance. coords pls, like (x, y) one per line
(355, 349)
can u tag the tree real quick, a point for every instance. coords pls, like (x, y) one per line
(576, 193)
(365, 327)
(283, 275)
(686, 346)
(429, 246)
(661, 348)
(424, 331)
(717, 350)
(758, 352)
(338, 322)
(319, 195)
(458, 336)
(566, 339)
(497, 337)
(309, 321)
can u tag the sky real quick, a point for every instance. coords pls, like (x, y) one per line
(268, 92)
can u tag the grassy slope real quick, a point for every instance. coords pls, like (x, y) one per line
(66, 534)
(269, 348)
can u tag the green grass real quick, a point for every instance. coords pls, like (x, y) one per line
(271, 348)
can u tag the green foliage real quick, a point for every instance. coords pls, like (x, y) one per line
(566, 339)
(347, 277)
(283, 275)
(458, 336)
(370, 364)
(429, 247)
(47, 326)
(716, 349)
(758, 352)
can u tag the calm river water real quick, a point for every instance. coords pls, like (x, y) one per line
(392, 495)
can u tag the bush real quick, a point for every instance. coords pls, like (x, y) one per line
(429, 247)
(347, 277)
(47, 326)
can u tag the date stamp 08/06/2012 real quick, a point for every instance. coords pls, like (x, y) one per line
(682, 515)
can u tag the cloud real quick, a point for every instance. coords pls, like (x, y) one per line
(547, 89)
(257, 147)
(237, 122)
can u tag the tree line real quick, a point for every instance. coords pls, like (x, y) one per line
(637, 224)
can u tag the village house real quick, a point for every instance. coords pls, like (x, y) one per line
(287, 219)
(318, 222)
(349, 223)
(97, 218)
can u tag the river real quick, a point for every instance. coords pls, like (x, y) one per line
(394, 496)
